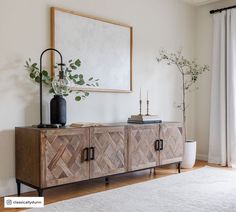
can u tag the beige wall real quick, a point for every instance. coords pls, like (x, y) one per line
(204, 53)
(24, 32)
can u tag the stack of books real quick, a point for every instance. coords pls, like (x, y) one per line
(144, 119)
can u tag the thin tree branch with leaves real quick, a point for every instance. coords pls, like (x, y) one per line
(189, 70)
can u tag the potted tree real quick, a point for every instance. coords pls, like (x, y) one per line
(189, 71)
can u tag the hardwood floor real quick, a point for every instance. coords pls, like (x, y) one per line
(89, 187)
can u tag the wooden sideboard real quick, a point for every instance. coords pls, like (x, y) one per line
(52, 157)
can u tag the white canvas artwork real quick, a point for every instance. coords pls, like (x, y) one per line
(104, 49)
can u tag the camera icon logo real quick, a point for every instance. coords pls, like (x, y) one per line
(9, 202)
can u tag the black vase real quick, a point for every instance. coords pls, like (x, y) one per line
(58, 110)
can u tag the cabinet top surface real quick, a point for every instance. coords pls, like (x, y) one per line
(118, 124)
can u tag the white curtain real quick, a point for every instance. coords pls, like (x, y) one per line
(222, 140)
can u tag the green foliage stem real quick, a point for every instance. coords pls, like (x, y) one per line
(71, 71)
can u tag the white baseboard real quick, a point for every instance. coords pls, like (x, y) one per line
(8, 187)
(202, 157)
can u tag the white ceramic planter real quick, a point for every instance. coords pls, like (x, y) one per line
(189, 157)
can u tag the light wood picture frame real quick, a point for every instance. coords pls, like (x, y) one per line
(104, 48)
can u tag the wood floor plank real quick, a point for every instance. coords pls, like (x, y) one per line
(93, 186)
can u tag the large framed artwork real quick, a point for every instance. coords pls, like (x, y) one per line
(104, 48)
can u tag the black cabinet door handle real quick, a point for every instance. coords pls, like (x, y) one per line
(86, 154)
(157, 145)
(92, 153)
(161, 144)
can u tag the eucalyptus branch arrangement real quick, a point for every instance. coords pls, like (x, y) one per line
(71, 72)
(189, 70)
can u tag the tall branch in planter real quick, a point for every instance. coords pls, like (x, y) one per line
(189, 71)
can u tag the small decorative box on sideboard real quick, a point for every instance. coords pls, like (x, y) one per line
(52, 157)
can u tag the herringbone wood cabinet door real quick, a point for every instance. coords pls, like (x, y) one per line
(110, 148)
(62, 152)
(172, 136)
(141, 149)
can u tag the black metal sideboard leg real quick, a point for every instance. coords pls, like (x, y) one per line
(179, 167)
(107, 180)
(152, 171)
(18, 187)
(40, 192)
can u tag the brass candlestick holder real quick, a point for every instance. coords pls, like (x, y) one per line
(140, 107)
(147, 108)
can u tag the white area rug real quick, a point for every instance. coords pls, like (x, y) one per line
(207, 189)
